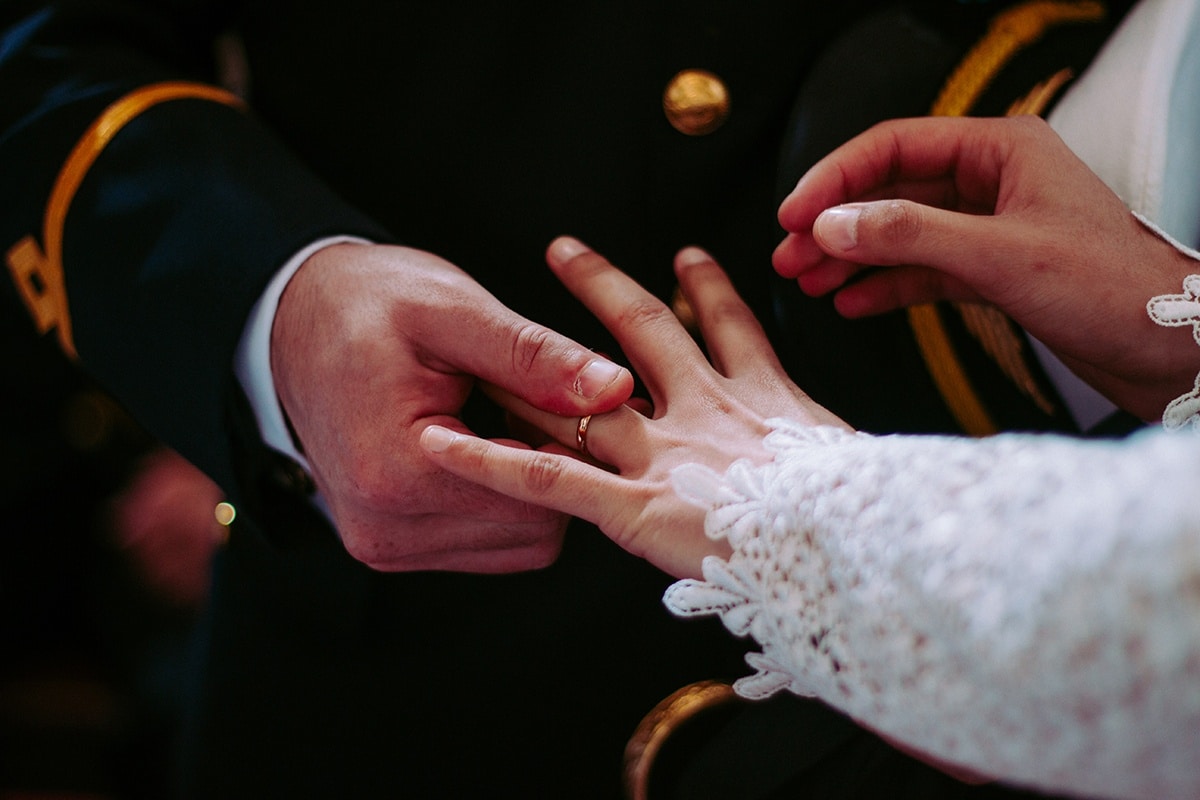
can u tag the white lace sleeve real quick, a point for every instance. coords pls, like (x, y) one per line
(1027, 606)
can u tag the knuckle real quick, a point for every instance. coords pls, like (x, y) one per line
(643, 314)
(528, 341)
(882, 128)
(541, 473)
(892, 222)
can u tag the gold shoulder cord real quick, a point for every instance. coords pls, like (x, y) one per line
(1008, 33)
(38, 274)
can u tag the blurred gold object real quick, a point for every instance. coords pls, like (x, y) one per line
(1010, 31)
(225, 514)
(683, 312)
(666, 718)
(696, 102)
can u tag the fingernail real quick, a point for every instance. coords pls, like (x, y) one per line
(838, 227)
(692, 255)
(597, 376)
(564, 248)
(436, 439)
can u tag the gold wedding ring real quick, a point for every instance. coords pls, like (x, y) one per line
(581, 433)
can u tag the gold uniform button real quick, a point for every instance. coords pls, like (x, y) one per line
(696, 102)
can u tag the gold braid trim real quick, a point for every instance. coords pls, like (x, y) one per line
(37, 273)
(1008, 33)
(1000, 337)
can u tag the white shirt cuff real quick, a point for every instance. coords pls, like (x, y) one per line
(252, 361)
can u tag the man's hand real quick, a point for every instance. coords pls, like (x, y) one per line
(708, 407)
(370, 345)
(997, 211)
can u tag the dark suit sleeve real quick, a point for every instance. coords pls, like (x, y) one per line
(174, 226)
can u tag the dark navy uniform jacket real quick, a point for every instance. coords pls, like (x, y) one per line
(478, 132)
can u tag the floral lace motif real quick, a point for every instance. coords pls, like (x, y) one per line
(1174, 311)
(1027, 606)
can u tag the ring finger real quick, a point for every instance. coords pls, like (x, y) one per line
(597, 436)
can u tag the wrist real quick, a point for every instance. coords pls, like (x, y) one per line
(291, 330)
(1156, 364)
(252, 363)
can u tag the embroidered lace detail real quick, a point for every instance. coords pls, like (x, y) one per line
(1174, 311)
(1177, 310)
(1026, 606)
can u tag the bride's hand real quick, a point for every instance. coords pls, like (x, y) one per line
(997, 211)
(706, 413)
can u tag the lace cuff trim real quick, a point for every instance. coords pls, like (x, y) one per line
(1176, 311)
(742, 507)
(1043, 584)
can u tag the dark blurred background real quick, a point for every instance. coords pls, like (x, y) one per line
(105, 543)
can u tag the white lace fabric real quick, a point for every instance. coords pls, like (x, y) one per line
(1180, 310)
(1174, 311)
(1028, 606)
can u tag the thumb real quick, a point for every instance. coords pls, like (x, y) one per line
(891, 232)
(542, 367)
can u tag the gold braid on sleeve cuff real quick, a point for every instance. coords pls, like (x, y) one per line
(37, 270)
